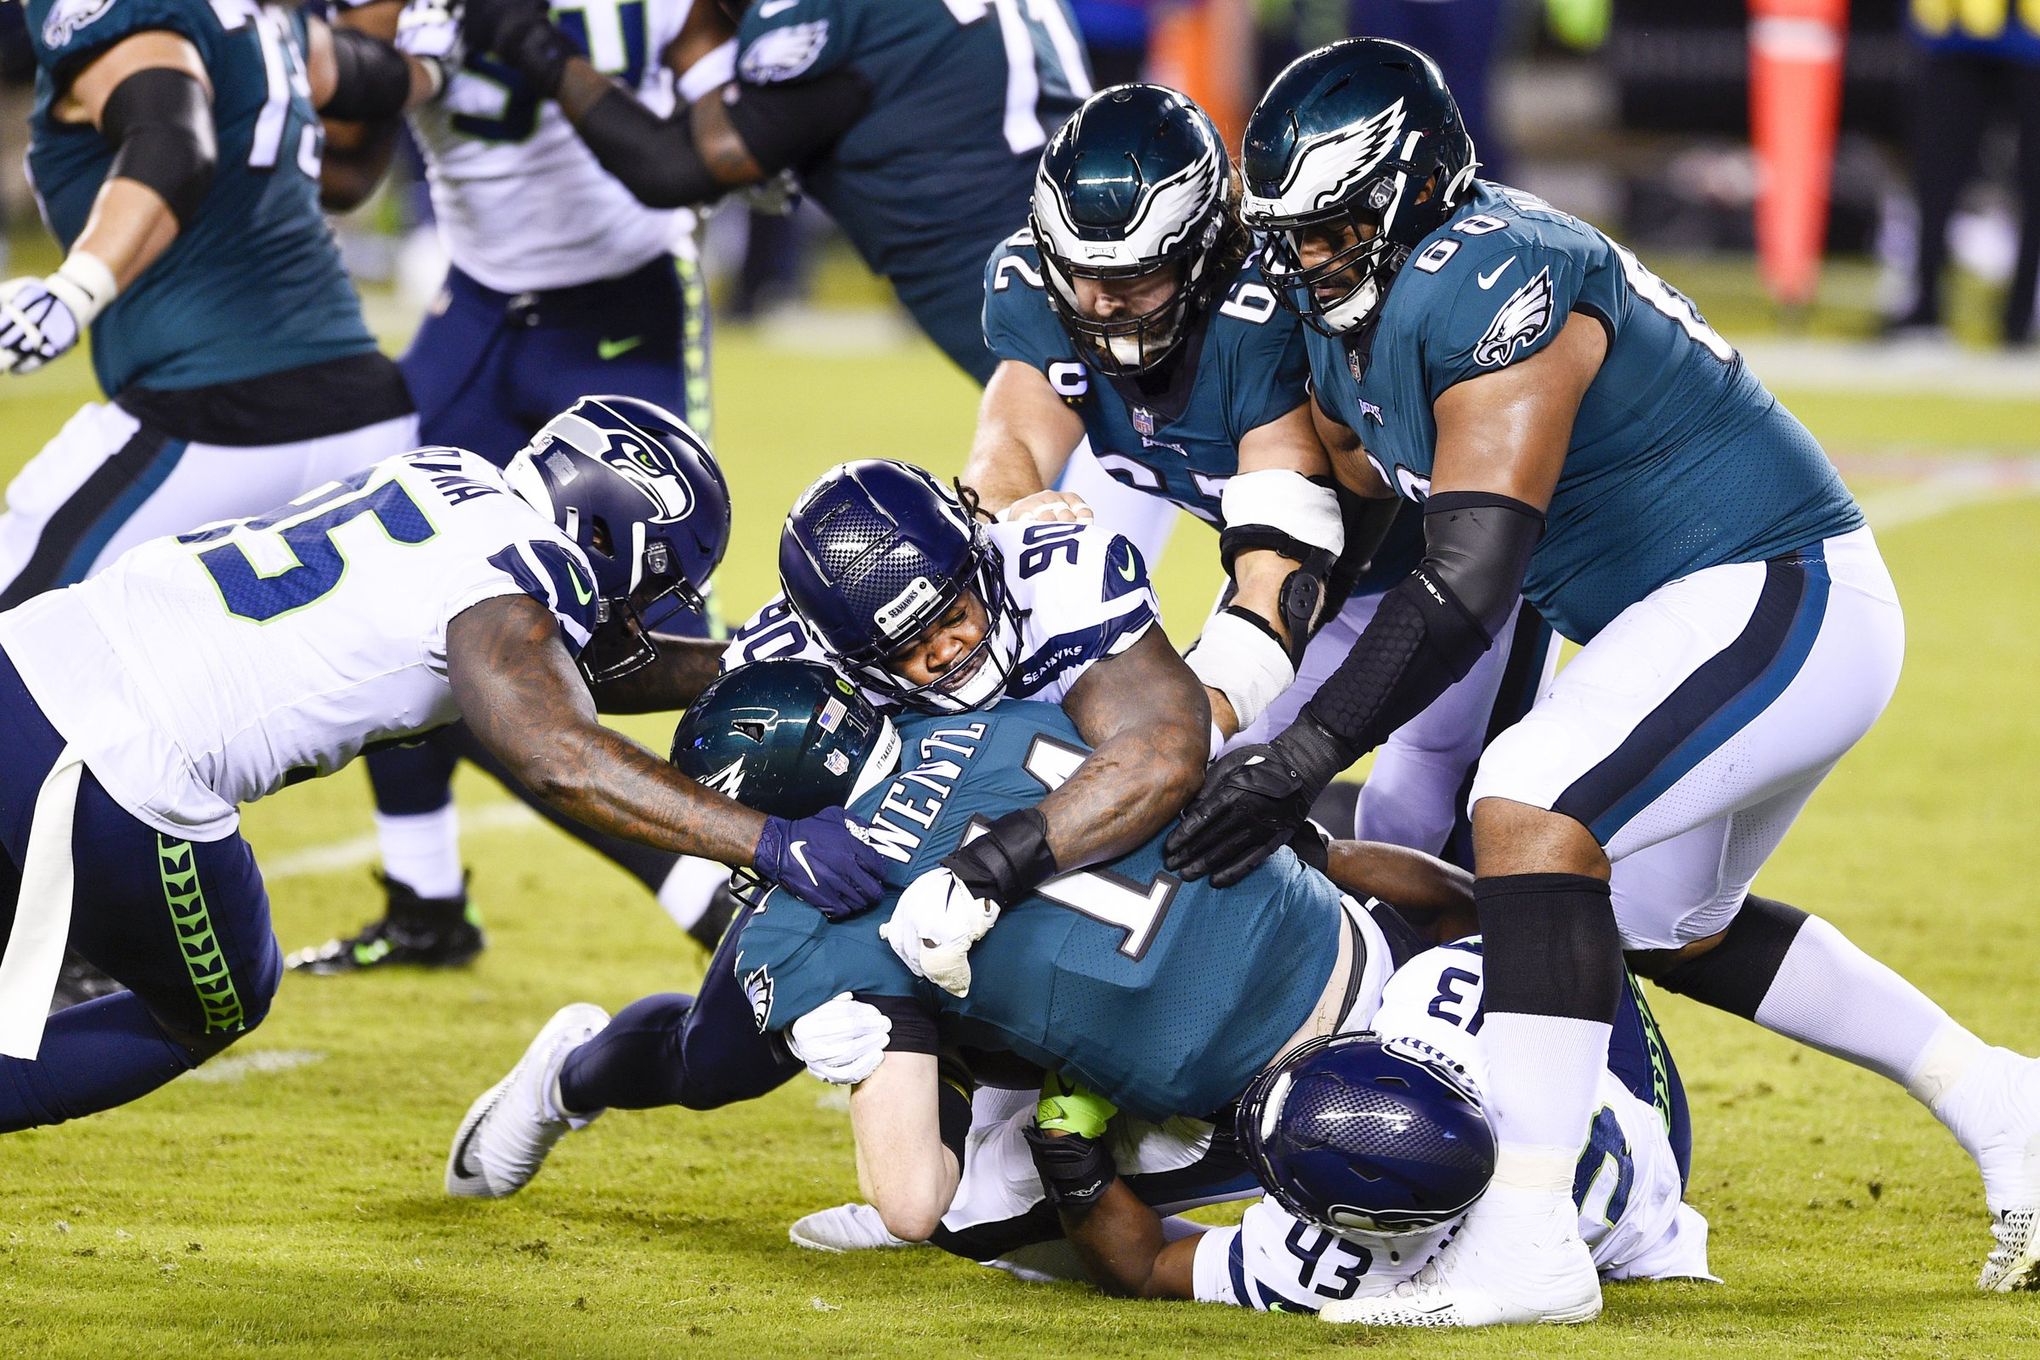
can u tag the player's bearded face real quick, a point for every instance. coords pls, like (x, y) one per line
(944, 645)
(1124, 300)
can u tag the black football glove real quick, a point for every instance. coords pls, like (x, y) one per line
(1254, 800)
(521, 34)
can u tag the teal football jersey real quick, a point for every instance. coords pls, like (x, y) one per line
(964, 95)
(1167, 996)
(253, 285)
(1242, 365)
(1680, 458)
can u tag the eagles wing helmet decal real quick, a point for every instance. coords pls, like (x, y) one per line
(1340, 160)
(1521, 320)
(728, 780)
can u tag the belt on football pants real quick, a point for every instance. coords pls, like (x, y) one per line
(42, 915)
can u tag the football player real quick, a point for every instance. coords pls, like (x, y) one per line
(539, 305)
(203, 671)
(1578, 434)
(1165, 996)
(1130, 314)
(1371, 1147)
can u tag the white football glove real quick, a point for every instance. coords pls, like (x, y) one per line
(430, 31)
(933, 926)
(42, 318)
(841, 1040)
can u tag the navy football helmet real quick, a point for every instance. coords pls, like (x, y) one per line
(1350, 135)
(787, 737)
(877, 551)
(640, 494)
(1136, 182)
(1357, 1134)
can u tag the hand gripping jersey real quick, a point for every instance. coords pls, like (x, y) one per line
(1165, 995)
(1680, 459)
(522, 203)
(1242, 365)
(204, 671)
(1081, 590)
(1628, 1183)
(253, 285)
(964, 95)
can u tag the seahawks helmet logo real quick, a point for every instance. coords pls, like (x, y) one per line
(1524, 317)
(631, 454)
(68, 16)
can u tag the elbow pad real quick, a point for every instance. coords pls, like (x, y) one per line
(786, 125)
(655, 158)
(371, 78)
(161, 122)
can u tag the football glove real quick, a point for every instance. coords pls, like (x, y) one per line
(521, 33)
(841, 1040)
(430, 31)
(1254, 800)
(42, 318)
(933, 926)
(822, 861)
(1067, 1140)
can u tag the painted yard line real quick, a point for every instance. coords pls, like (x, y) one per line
(359, 851)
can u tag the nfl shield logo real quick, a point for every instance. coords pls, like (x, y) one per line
(1144, 422)
(1370, 411)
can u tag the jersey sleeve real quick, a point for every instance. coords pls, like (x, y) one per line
(1495, 301)
(1435, 1003)
(1268, 367)
(779, 41)
(549, 571)
(1084, 594)
(787, 971)
(774, 633)
(76, 31)
(1018, 322)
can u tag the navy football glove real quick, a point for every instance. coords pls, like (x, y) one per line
(1253, 802)
(820, 860)
(521, 33)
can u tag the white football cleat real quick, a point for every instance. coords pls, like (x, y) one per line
(1995, 1113)
(511, 1127)
(1517, 1259)
(847, 1227)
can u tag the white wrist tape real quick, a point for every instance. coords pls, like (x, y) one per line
(1288, 502)
(712, 72)
(1243, 663)
(84, 284)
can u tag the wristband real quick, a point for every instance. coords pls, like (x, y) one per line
(84, 284)
(1009, 861)
(711, 73)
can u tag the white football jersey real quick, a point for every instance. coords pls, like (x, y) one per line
(522, 203)
(199, 672)
(1628, 1188)
(1081, 591)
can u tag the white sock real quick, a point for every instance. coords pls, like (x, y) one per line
(1830, 995)
(421, 850)
(690, 885)
(1543, 1071)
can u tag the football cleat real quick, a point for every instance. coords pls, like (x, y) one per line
(1995, 1113)
(511, 1127)
(423, 932)
(847, 1227)
(79, 982)
(1518, 1259)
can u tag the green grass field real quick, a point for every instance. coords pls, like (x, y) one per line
(286, 1200)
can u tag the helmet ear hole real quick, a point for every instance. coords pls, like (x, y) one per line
(599, 537)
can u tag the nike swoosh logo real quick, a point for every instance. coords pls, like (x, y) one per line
(772, 7)
(1486, 281)
(799, 851)
(1126, 572)
(460, 1166)
(606, 350)
(581, 592)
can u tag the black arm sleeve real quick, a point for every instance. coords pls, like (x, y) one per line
(913, 1026)
(1432, 627)
(655, 158)
(372, 79)
(789, 125)
(160, 121)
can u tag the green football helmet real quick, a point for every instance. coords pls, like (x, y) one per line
(787, 738)
(1362, 135)
(1136, 182)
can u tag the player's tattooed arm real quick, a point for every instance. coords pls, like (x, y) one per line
(903, 1167)
(1025, 435)
(523, 698)
(1145, 717)
(683, 669)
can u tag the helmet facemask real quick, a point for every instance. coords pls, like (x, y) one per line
(977, 678)
(1126, 345)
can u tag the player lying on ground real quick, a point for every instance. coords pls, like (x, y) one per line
(1167, 996)
(143, 707)
(1131, 314)
(891, 579)
(1580, 437)
(1371, 1148)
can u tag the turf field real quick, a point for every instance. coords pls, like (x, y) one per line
(286, 1199)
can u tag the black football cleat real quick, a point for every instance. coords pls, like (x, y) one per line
(420, 932)
(80, 982)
